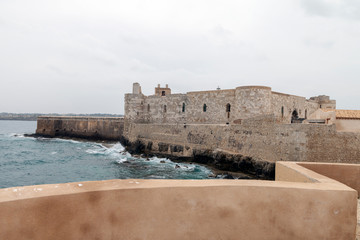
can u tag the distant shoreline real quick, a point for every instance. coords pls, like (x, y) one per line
(17, 119)
(34, 116)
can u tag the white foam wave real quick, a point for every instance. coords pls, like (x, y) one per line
(65, 140)
(115, 150)
(19, 135)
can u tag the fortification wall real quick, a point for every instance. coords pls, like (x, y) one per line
(283, 105)
(259, 138)
(252, 101)
(218, 106)
(81, 127)
(215, 101)
(164, 109)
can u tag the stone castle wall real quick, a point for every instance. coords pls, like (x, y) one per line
(81, 127)
(261, 138)
(283, 105)
(219, 106)
(215, 102)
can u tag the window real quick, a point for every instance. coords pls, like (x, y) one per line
(148, 108)
(164, 108)
(204, 108)
(162, 93)
(305, 113)
(183, 107)
(228, 106)
(282, 111)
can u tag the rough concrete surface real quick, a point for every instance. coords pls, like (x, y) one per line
(183, 209)
(358, 222)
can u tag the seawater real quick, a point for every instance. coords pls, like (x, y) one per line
(31, 161)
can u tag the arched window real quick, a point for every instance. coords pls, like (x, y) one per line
(204, 107)
(148, 108)
(183, 107)
(282, 111)
(228, 107)
(164, 108)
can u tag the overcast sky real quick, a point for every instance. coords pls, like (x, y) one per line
(73, 56)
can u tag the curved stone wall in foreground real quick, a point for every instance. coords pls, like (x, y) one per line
(301, 204)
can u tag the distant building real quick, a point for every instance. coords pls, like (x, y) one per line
(345, 120)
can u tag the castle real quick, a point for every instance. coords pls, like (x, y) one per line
(252, 121)
(220, 106)
(248, 129)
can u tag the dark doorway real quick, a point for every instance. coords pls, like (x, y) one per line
(294, 116)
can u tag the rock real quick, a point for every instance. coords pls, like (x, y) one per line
(228, 176)
(177, 166)
(162, 161)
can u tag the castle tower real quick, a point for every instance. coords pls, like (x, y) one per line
(134, 104)
(159, 91)
(136, 88)
(324, 102)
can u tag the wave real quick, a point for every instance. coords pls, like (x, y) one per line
(63, 140)
(19, 135)
(116, 150)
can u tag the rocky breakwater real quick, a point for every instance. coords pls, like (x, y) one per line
(231, 165)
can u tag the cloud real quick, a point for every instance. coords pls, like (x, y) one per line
(318, 43)
(346, 9)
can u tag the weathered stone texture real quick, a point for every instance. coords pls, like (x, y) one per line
(290, 103)
(81, 127)
(215, 102)
(220, 106)
(261, 138)
(159, 109)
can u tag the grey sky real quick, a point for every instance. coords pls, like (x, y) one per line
(82, 56)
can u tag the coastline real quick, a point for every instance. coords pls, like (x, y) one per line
(222, 165)
(233, 164)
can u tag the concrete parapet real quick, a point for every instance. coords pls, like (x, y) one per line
(182, 209)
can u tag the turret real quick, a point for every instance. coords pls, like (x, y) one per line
(136, 88)
(324, 102)
(159, 91)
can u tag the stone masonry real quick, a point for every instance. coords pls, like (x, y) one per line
(219, 106)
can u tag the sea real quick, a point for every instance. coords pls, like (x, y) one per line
(32, 161)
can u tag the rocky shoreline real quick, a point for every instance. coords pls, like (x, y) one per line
(231, 165)
(223, 164)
